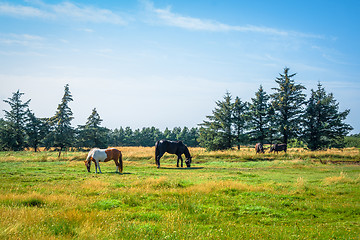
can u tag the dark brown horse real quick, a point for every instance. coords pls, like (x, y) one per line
(259, 148)
(278, 147)
(178, 148)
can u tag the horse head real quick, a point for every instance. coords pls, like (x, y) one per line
(271, 149)
(87, 164)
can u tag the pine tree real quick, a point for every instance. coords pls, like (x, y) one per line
(168, 134)
(288, 101)
(216, 133)
(259, 116)
(239, 120)
(273, 133)
(36, 129)
(324, 126)
(117, 137)
(129, 137)
(62, 134)
(148, 136)
(192, 139)
(92, 134)
(3, 135)
(15, 122)
(175, 133)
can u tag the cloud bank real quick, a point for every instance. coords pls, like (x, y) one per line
(167, 17)
(62, 11)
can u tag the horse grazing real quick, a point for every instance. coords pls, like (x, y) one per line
(104, 155)
(278, 147)
(172, 147)
(259, 148)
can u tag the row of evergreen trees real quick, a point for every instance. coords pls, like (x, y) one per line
(21, 129)
(283, 116)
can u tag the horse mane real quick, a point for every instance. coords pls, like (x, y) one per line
(186, 152)
(91, 153)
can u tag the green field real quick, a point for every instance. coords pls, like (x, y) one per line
(224, 195)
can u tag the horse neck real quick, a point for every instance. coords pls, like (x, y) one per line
(187, 153)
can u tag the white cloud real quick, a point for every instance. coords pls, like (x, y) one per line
(167, 17)
(20, 39)
(86, 13)
(22, 11)
(64, 10)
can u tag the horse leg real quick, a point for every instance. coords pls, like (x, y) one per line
(179, 157)
(98, 164)
(158, 159)
(95, 166)
(117, 165)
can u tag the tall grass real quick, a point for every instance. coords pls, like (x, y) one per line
(224, 195)
(198, 154)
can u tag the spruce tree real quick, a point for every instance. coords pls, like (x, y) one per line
(92, 134)
(216, 132)
(288, 101)
(118, 137)
(15, 122)
(62, 134)
(324, 126)
(273, 133)
(239, 120)
(259, 117)
(129, 137)
(36, 129)
(3, 135)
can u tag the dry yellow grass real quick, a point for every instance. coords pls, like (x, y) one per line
(341, 178)
(198, 154)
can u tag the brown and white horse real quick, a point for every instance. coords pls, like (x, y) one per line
(104, 155)
(259, 148)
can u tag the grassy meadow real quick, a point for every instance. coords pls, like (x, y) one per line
(224, 195)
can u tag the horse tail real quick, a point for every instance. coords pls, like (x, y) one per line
(120, 162)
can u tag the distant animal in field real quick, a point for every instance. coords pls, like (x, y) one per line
(97, 155)
(173, 147)
(278, 147)
(259, 148)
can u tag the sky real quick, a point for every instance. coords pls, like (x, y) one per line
(165, 63)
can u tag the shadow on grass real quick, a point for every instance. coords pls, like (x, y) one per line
(179, 168)
(116, 173)
(113, 173)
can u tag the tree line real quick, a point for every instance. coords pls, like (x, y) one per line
(22, 129)
(284, 116)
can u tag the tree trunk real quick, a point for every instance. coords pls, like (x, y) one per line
(60, 152)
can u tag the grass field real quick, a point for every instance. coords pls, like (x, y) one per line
(224, 195)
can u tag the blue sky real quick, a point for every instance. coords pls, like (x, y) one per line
(165, 63)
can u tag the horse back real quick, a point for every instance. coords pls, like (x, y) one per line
(112, 153)
(173, 147)
(282, 147)
(99, 154)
